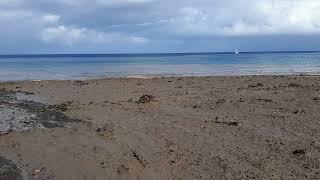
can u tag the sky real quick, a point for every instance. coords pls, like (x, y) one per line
(155, 26)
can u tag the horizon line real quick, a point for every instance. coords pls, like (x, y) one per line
(138, 54)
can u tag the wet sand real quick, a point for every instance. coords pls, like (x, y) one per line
(232, 127)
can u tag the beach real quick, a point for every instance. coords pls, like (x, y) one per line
(216, 127)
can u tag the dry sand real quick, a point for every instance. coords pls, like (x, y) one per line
(259, 127)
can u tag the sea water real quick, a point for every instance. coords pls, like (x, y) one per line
(87, 66)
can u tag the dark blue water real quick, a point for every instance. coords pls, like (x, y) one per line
(43, 67)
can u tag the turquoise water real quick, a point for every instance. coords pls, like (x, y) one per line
(43, 67)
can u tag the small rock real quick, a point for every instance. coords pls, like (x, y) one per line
(195, 106)
(297, 111)
(299, 152)
(316, 144)
(220, 101)
(35, 172)
(103, 164)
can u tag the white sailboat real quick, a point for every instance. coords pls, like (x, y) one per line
(236, 51)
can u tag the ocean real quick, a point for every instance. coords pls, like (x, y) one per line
(88, 66)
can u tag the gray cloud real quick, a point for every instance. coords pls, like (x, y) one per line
(70, 35)
(154, 25)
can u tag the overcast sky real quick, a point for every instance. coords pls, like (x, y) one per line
(145, 26)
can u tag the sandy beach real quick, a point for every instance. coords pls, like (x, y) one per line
(224, 127)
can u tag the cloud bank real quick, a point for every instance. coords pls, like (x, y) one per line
(151, 25)
(247, 17)
(70, 36)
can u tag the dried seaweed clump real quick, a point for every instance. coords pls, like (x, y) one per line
(145, 99)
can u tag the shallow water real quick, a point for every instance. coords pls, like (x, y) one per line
(44, 67)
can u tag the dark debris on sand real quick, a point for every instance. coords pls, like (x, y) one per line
(106, 130)
(294, 85)
(122, 169)
(299, 152)
(63, 106)
(145, 99)
(45, 115)
(228, 123)
(139, 158)
(255, 85)
(8, 170)
(80, 83)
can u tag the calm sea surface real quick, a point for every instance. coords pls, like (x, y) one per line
(43, 67)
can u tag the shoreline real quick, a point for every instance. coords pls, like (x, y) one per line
(156, 76)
